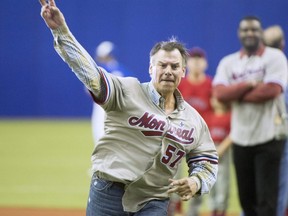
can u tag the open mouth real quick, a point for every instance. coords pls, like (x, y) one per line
(166, 80)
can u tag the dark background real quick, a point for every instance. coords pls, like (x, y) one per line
(34, 80)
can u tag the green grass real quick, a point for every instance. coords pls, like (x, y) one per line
(45, 163)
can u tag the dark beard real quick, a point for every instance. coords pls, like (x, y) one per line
(251, 49)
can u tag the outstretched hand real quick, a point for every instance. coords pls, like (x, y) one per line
(186, 188)
(51, 14)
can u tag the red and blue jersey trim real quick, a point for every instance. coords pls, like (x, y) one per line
(212, 160)
(107, 87)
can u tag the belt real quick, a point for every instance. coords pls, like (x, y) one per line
(118, 184)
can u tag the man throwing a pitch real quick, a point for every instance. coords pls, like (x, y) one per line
(148, 131)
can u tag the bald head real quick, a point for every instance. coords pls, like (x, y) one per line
(273, 36)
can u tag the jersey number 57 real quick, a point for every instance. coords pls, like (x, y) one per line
(172, 156)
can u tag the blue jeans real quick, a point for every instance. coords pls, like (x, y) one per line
(105, 199)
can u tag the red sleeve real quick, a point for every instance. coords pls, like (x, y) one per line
(232, 92)
(263, 92)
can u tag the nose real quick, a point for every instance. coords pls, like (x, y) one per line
(168, 71)
(250, 32)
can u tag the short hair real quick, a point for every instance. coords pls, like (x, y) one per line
(251, 17)
(169, 46)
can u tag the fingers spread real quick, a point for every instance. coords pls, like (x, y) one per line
(44, 11)
(43, 2)
(52, 2)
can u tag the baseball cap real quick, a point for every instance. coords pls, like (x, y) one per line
(105, 48)
(197, 52)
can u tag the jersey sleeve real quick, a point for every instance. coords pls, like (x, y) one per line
(203, 161)
(276, 69)
(120, 90)
(81, 63)
(221, 77)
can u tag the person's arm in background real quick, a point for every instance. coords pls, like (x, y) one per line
(263, 92)
(229, 93)
(224, 146)
(223, 89)
(274, 82)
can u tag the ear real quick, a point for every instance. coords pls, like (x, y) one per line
(238, 33)
(183, 72)
(150, 69)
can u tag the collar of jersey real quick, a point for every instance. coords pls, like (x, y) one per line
(156, 97)
(258, 52)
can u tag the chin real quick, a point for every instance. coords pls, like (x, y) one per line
(167, 90)
(251, 48)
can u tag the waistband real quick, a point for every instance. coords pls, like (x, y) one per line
(118, 184)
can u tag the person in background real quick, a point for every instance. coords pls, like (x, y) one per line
(150, 129)
(252, 80)
(196, 87)
(218, 122)
(196, 90)
(105, 57)
(273, 36)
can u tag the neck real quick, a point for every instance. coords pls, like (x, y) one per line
(170, 103)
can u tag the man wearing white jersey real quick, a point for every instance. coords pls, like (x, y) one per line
(252, 80)
(149, 128)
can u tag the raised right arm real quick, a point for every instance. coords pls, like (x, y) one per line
(73, 53)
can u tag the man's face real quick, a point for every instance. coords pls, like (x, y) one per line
(166, 70)
(250, 34)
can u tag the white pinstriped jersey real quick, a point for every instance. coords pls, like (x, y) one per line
(253, 123)
(142, 145)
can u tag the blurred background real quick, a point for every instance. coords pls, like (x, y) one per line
(45, 138)
(35, 82)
